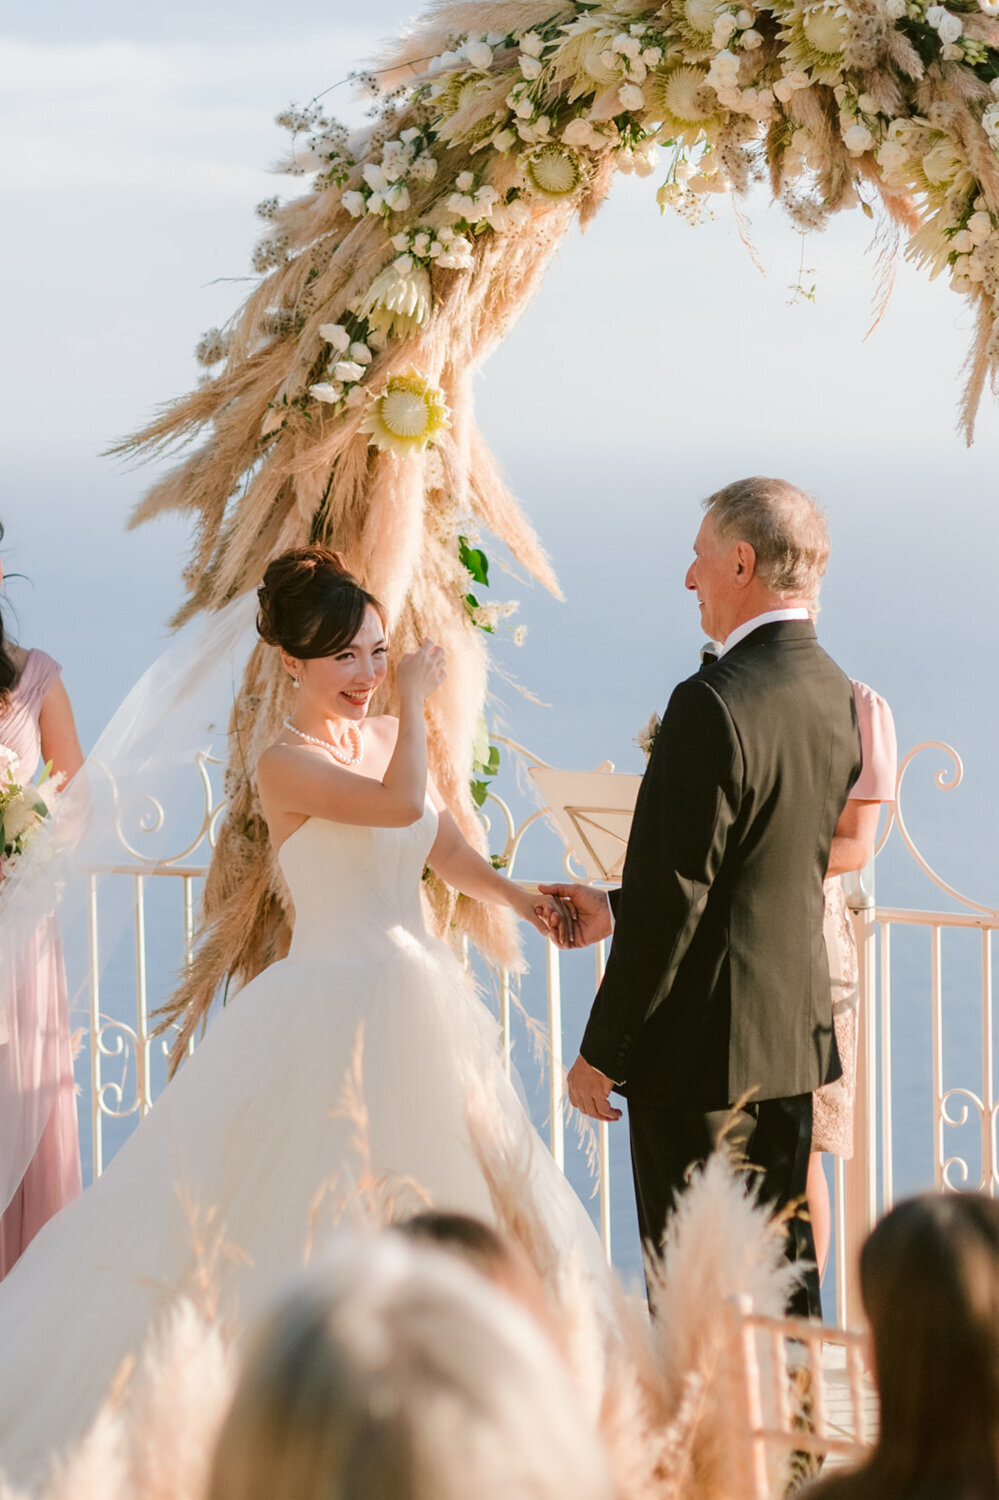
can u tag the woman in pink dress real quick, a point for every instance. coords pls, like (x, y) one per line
(36, 722)
(852, 847)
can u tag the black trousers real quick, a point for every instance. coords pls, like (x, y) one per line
(776, 1137)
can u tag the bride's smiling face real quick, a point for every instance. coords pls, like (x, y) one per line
(343, 684)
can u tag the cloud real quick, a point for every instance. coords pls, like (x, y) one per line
(176, 119)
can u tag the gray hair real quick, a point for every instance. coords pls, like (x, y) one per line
(397, 1371)
(785, 528)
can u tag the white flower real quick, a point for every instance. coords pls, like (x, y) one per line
(935, 14)
(891, 156)
(377, 339)
(486, 196)
(724, 68)
(532, 44)
(979, 226)
(461, 205)
(895, 9)
(355, 203)
(347, 371)
(683, 171)
(465, 181)
(581, 133)
(360, 354)
(783, 90)
(530, 68)
(653, 56)
(631, 96)
(646, 159)
(624, 161)
(798, 79)
(374, 176)
(376, 202)
(990, 122)
(335, 334)
(858, 139)
(951, 52)
(627, 46)
(722, 31)
(751, 40)
(424, 168)
(330, 394)
(523, 109)
(950, 27)
(399, 242)
(962, 242)
(479, 55)
(990, 7)
(728, 98)
(458, 256)
(504, 140)
(519, 635)
(397, 197)
(745, 18)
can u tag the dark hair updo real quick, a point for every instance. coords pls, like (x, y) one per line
(310, 604)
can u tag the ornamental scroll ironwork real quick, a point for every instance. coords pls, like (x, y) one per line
(957, 1107)
(123, 1046)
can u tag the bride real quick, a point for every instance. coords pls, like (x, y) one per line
(229, 1181)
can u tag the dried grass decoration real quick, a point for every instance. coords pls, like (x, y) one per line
(422, 238)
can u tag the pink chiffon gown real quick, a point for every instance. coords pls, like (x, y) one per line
(832, 1105)
(53, 1175)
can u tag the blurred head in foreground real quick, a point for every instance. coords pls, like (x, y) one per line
(929, 1275)
(500, 1260)
(395, 1374)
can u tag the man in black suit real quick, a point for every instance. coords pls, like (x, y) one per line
(717, 989)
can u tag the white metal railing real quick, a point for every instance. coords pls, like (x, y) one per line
(120, 1044)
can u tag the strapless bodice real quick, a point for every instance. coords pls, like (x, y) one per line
(355, 888)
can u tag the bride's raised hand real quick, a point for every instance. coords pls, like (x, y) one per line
(421, 672)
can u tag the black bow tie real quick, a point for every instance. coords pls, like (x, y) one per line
(708, 655)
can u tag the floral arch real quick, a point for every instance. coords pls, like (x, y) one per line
(337, 403)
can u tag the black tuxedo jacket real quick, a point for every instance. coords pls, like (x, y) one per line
(717, 981)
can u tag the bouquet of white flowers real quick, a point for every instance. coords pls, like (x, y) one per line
(22, 811)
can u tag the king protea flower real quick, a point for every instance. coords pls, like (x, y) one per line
(551, 171)
(398, 301)
(407, 415)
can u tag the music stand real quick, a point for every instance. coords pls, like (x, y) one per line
(593, 810)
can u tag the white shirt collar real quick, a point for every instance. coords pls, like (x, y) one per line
(770, 617)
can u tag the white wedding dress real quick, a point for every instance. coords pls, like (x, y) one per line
(253, 1125)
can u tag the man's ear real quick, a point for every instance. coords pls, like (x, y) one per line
(745, 563)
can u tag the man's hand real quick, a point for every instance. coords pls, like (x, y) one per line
(589, 909)
(589, 1090)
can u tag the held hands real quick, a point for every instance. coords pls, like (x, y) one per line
(588, 911)
(589, 1091)
(421, 672)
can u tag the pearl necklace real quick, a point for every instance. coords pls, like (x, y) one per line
(353, 735)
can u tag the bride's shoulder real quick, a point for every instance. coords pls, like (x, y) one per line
(382, 727)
